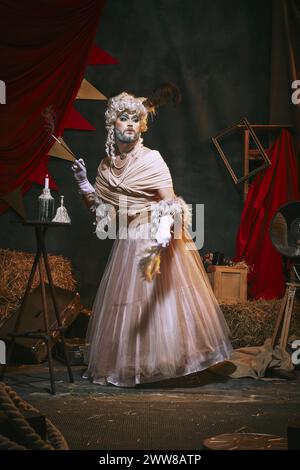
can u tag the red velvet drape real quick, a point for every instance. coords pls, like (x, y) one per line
(272, 188)
(44, 48)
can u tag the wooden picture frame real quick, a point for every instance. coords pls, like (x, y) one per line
(244, 124)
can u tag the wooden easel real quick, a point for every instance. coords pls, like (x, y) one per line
(283, 321)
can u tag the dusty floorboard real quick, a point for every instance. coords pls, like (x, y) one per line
(174, 414)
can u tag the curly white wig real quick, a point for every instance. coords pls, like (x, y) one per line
(116, 106)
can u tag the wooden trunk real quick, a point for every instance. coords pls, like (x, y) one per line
(229, 284)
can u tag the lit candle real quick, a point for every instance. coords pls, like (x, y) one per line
(47, 182)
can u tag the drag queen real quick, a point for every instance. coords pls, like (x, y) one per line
(155, 315)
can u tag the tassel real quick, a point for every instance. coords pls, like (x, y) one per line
(150, 262)
(150, 259)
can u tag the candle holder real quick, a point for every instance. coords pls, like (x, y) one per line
(46, 206)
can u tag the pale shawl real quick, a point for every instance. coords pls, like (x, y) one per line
(134, 192)
(146, 173)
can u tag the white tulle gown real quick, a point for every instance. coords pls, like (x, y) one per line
(149, 331)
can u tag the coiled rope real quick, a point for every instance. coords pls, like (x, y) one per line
(27, 438)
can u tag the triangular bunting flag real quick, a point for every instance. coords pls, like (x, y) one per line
(15, 200)
(59, 151)
(88, 92)
(98, 56)
(76, 121)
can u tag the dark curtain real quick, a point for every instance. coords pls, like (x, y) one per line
(218, 53)
(277, 185)
(44, 47)
(285, 63)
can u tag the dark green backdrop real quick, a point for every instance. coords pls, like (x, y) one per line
(218, 53)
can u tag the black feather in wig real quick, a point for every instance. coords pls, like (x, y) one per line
(164, 93)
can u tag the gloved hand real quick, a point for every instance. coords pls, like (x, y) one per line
(80, 176)
(163, 234)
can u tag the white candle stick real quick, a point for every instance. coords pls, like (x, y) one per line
(47, 182)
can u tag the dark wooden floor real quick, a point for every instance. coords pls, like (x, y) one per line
(174, 414)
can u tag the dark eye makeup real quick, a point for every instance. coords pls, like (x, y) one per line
(125, 117)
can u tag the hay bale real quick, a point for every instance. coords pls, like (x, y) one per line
(15, 268)
(252, 322)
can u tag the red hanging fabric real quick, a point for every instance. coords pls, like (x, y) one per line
(99, 56)
(272, 188)
(44, 49)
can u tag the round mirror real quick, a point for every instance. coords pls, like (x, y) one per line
(285, 230)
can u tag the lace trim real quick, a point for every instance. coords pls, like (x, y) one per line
(176, 208)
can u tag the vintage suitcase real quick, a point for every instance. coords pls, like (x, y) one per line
(30, 350)
(79, 326)
(76, 350)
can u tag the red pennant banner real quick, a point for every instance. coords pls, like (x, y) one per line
(99, 56)
(76, 121)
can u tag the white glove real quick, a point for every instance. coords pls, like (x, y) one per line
(163, 234)
(80, 176)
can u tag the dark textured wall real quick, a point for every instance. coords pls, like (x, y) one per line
(218, 53)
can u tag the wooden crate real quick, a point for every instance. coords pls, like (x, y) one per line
(229, 284)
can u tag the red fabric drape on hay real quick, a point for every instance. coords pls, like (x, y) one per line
(271, 188)
(44, 49)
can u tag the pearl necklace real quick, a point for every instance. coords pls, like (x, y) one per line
(122, 166)
(132, 155)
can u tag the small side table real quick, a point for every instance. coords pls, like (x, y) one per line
(41, 255)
